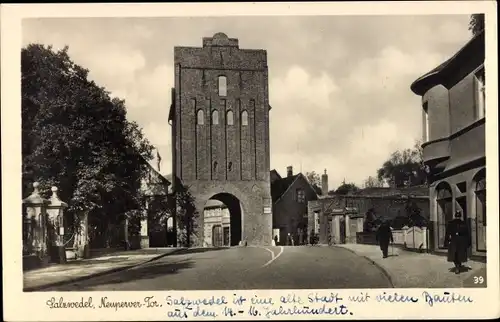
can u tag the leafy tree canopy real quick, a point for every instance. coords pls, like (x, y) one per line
(404, 168)
(76, 137)
(476, 23)
(373, 182)
(346, 188)
(315, 181)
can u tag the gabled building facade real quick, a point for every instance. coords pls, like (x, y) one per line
(291, 195)
(453, 109)
(217, 223)
(156, 189)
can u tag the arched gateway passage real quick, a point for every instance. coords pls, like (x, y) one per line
(223, 215)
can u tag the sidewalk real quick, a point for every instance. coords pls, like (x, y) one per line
(73, 271)
(408, 269)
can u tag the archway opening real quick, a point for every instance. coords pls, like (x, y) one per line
(222, 217)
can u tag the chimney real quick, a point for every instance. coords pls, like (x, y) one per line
(289, 171)
(324, 183)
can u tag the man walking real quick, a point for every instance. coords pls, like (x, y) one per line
(457, 240)
(384, 237)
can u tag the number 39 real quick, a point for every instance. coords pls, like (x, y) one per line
(478, 280)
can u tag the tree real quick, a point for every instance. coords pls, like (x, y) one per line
(404, 168)
(315, 181)
(76, 137)
(183, 209)
(346, 188)
(373, 182)
(371, 221)
(476, 23)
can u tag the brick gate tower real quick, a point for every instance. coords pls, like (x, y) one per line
(220, 134)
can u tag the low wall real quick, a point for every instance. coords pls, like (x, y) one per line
(416, 238)
(410, 238)
(366, 238)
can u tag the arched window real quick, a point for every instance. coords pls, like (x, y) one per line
(230, 166)
(170, 222)
(244, 118)
(222, 86)
(481, 95)
(425, 129)
(215, 117)
(230, 118)
(200, 117)
(444, 210)
(215, 166)
(480, 192)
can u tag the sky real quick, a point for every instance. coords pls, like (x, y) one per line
(339, 86)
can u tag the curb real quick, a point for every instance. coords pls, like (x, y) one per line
(98, 274)
(384, 271)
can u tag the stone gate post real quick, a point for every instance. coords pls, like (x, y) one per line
(81, 245)
(55, 227)
(35, 239)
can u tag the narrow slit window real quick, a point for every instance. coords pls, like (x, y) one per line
(230, 166)
(200, 117)
(215, 166)
(230, 118)
(222, 86)
(215, 117)
(425, 129)
(244, 118)
(481, 95)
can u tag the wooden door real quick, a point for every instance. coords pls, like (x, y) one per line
(342, 230)
(217, 236)
(227, 236)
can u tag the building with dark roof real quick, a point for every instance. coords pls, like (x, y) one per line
(290, 196)
(453, 122)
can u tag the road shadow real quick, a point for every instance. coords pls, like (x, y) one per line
(462, 269)
(131, 275)
(200, 250)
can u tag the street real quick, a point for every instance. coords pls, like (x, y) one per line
(300, 267)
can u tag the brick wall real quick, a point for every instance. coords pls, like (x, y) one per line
(387, 207)
(240, 151)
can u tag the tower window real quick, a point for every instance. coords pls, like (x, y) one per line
(481, 95)
(215, 117)
(230, 166)
(425, 129)
(200, 117)
(215, 166)
(222, 86)
(230, 118)
(244, 118)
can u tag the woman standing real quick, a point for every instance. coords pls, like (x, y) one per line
(457, 239)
